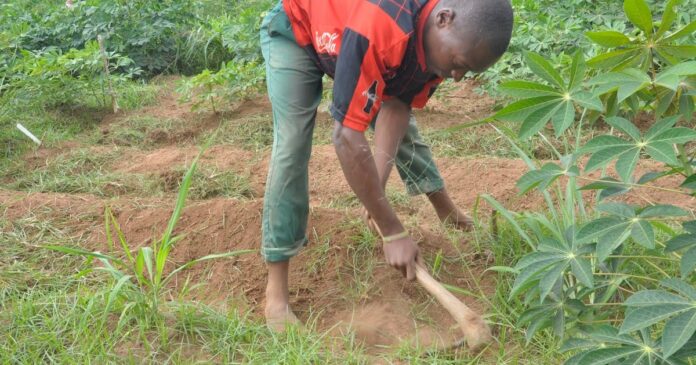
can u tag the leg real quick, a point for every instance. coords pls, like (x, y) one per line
(418, 171)
(294, 87)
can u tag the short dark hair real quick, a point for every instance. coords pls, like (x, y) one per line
(492, 20)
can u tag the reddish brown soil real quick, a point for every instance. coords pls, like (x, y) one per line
(320, 276)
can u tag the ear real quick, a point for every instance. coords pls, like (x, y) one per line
(444, 17)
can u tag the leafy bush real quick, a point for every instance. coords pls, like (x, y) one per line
(244, 73)
(537, 29)
(54, 78)
(588, 262)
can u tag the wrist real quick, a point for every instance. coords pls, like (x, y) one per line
(395, 237)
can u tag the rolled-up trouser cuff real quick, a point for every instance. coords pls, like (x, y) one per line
(273, 253)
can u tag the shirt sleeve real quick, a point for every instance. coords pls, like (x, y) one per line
(358, 84)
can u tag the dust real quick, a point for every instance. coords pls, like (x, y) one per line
(381, 324)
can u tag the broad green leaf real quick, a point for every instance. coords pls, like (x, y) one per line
(547, 281)
(679, 242)
(609, 187)
(649, 298)
(613, 58)
(620, 209)
(690, 182)
(688, 262)
(564, 118)
(587, 100)
(686, 106)
(642, 317)
(626, 163)
(573, 344)
(643, 234)
(604, 142)
(690, 226)
(680, 287)
(608, 38)
(530, 273)
(686, 68)
(678, 331)
(603, 157)
(577, 71)
(597, 228)
(660, 127)
(675, 135)
(663, 152)
(670, 82)
(538, 324)
(527, 89)
(605, 183)
(628, 81)
(582, 269)
(534, 312)
(559, 323)
(519, 110)
(535, 257)
(639, 14)
(614, 238)
(624, 126)
(681, 51)
(662, 211)
(542, 68)
(668, 17)
(537, 120)
(684, 31)
(543, 176)
(608, 355)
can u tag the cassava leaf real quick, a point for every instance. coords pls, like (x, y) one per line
(608, 38)
(639, 14)
(542, 68)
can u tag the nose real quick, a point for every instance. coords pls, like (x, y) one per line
(457, 75)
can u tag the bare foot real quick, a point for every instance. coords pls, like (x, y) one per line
(458, 220)
(277, 312)
(279, 318)
(448, 212)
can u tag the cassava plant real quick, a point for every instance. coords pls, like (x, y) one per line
(613, 279)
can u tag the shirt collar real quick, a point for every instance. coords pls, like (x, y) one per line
(422, 19)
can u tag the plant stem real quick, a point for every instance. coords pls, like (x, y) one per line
(627, 275)
(637, 185)
(642, 257)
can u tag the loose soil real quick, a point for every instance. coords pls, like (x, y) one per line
(324, 290)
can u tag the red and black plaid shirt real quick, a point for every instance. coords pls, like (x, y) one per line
(372, 48)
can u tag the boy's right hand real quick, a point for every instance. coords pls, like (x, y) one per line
(403, 254)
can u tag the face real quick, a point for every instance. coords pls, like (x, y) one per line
(450, 55)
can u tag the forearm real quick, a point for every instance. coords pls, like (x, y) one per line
(390, 128)
(359, 168)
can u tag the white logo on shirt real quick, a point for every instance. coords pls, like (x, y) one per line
(326, 42)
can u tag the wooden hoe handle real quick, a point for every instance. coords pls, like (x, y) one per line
(476, 331)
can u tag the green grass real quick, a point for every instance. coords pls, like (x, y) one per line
(79, 171)
(60, 123)
(209, 182)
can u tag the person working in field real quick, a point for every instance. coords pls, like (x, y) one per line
(386, 57)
